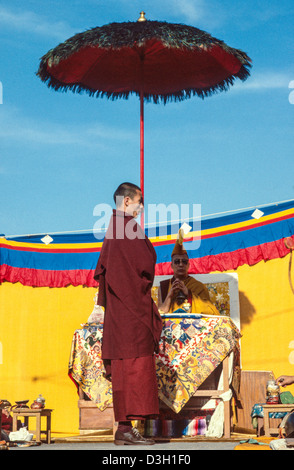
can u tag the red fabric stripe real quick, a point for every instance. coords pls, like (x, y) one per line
(232, 260)
(51, 250)
(42, 278)
(221, 262)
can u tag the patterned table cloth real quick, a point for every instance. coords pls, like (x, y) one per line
(191, 347)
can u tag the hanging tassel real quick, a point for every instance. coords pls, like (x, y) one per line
(234, 406)
(202, 426)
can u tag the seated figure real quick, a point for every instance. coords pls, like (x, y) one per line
(182, 293)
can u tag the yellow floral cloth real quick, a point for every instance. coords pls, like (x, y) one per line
(85, 366)
(190, 350)
(191, 347)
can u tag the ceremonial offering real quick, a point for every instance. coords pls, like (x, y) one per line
(20, 404)
(187, 306)
(272, 392)
(180, 297)
(38, 403)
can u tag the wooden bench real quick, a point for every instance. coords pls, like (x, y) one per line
(278, 408)
(37, 414)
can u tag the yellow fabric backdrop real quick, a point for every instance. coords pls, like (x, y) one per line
(267, 317)
(37, 326)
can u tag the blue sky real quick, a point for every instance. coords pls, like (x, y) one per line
(61, 154)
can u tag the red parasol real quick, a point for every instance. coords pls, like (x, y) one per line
(157, 61)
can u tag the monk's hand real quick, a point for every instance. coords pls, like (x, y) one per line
(173, 291)
(285, 380)
(180, 285)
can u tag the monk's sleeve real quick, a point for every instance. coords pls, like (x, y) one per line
(210, 308)
(130, 279)
(205, 304)
(101, 292)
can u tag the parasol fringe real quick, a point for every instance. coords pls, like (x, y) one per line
(156, 98)
(119, 35)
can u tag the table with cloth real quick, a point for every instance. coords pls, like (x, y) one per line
(191, 348)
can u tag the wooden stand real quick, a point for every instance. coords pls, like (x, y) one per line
(253, 391)
(29, 413)
(208, 390)
(217, 394)
(267, 409)
(91, 418)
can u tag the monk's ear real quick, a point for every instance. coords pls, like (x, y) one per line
(127, 200)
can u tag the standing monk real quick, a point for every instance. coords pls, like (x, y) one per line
(132, 324)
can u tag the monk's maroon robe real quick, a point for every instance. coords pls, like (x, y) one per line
(125, 272)
(132, 324)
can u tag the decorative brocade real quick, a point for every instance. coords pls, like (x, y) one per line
(190, 349)
(86, 367)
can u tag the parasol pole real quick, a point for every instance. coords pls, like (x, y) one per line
(142, 19)
(142, 150)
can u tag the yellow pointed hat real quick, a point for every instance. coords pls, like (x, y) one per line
(179, 248)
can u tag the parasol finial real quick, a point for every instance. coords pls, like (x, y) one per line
(142, 16)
